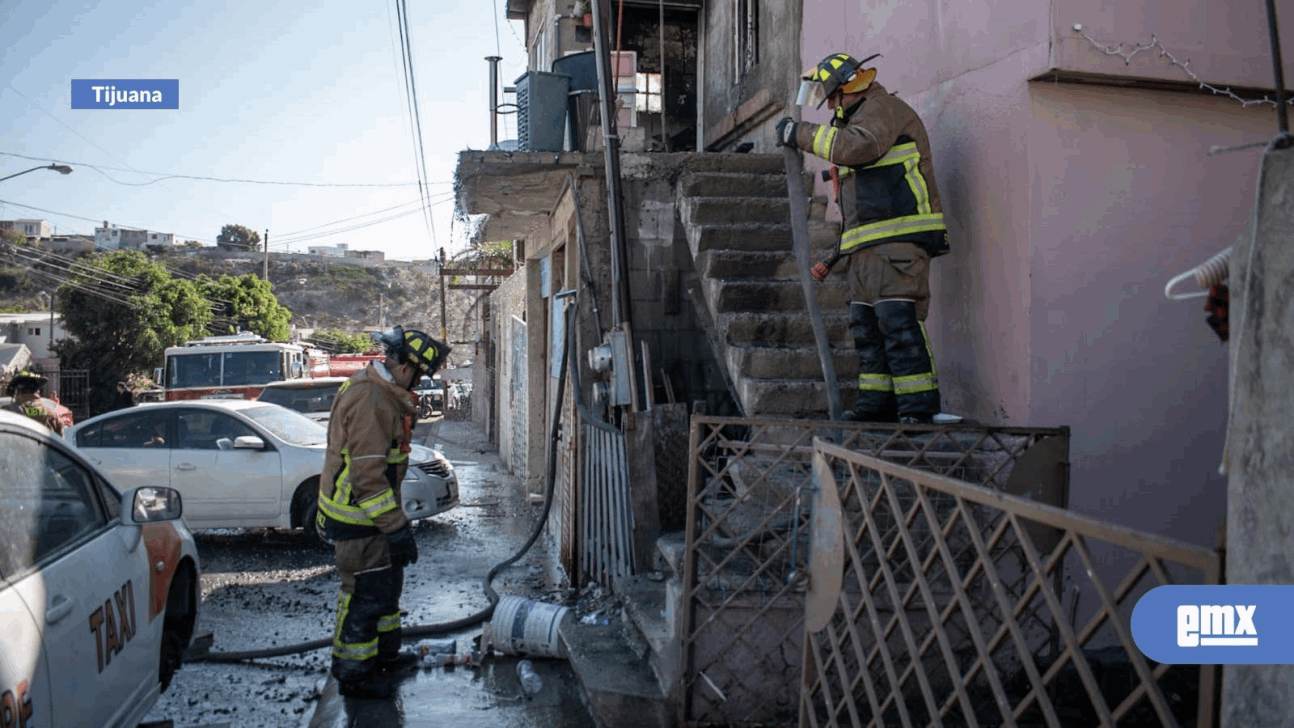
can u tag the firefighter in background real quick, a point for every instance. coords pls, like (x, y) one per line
(360, 512)
(893, 224)
(25, 390)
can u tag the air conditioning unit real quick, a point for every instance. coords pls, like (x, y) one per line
(541, 111)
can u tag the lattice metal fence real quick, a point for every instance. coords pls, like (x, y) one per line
(747, 542)
(949, 609)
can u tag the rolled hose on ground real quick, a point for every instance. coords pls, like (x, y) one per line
(439, 628)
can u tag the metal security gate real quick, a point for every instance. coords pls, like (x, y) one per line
(937, 603)
(71, 386)
(747, 542)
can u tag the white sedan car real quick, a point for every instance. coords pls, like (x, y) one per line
(98, 589)
(239, 463)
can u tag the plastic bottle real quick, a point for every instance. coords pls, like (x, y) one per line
(530, 682)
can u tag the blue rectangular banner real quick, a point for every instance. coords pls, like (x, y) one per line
(131, 93)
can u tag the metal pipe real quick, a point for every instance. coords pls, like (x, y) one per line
(1282, 115)
(494, 100)
(620, 310)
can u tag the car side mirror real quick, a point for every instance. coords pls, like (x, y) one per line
(248, 442)
(149, 504)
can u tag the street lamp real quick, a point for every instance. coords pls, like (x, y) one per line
(60, 168)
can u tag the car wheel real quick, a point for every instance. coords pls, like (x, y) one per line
(305, 511)
(172, 658)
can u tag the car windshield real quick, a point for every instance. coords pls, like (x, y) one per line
(302, 399)
(290, 427)
(239, 368)
(252, 367)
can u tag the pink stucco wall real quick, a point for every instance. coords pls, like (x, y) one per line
(1225, 41)
(1069, 209)
(1124, 197)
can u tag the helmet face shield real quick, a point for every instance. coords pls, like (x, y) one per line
(812, 93)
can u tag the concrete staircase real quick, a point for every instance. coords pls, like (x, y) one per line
(737, 219)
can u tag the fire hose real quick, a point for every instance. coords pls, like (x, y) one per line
(438, 628)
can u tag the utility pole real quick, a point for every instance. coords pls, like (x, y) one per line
(444, 329)
(1260, 483)
(265, 266)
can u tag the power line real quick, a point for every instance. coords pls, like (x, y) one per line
(95, 219)
(420, 160)
(167, 175)
(328, 233)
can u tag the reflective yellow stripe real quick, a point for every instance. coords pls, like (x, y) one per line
(892, 228)
(875, 383)
(389, 623)
(916, 383)
(396, 456)
(917, 184)
(347, 650)
(823, 140)
(930, 353)
(345, 514)
(379, 504)
(341, 486)
(898, 154)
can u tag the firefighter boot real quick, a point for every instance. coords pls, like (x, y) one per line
(876, 401)
(907, 351)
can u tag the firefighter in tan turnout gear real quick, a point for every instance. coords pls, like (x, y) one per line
(360, 509)
(893, 224)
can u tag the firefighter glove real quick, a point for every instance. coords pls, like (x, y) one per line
(786, 132)
(403, 549)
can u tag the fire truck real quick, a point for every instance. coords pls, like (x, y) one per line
(239, 366)
(234, 367)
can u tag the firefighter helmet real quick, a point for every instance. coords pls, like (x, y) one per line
(837, 73)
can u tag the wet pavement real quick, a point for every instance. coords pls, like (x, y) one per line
(272, 588)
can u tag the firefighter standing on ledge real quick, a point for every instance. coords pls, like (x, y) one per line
(360, 509)
(893, 224)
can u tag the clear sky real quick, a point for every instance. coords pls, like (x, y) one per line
(269, 90)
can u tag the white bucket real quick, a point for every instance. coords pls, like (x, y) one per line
(525, 627)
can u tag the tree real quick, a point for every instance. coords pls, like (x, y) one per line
(346, 343)
(17, 237)
(121, 323)
(238, 236)
(254, 305)
(191, 244)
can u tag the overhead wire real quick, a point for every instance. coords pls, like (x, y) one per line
(411, 99)
(169, 175)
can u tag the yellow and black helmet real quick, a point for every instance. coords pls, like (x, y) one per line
(25, 377)
(837, 73)
(425, 353)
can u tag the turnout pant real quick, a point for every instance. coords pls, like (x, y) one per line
(890, 295)
(368, 608)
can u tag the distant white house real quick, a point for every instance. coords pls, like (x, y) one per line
(111, 237)
(32, 329)
(33, 229)
(338, 250)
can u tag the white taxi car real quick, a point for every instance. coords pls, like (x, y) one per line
(240, 463)
(98, 588)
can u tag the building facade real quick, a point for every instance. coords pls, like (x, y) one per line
(111, 237)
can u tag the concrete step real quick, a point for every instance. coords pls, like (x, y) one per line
(789, 329)
(769, 362)
(732, 163)
(739, 236)
(620, 687)
(792, 397)
(729, 184)
(766, 265)
(723, 210)
(647, 614)
(728, 296)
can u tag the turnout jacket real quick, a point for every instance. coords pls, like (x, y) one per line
(887, 189)
(368, 454)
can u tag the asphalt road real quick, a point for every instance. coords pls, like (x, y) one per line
(270, 588)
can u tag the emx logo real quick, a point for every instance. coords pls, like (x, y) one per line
(1216, 624)
(1211, 625)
